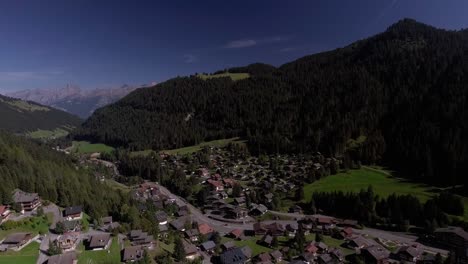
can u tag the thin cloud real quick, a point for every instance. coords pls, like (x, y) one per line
(247, 43)
(190, 58)
(243, 43)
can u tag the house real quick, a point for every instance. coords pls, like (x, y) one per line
(208, 246)
(274, 229)
(346, 233)
(216, 185)
(247, 251)
(266, 240)
(192, 234)
(236, 213)
(191, 251)
(276, 256)
(99, 242)
(258, 210)
(68, 242)
(411, 253)
(336, 254)
(307, 258)
(263, 258)
(239, 201)
(183, 211)
(72, 226)
(325, 259)
(139, 238)
(233, 256)
(456, 239)
(228, 246)
(27, 201)
(161, 217)
(132, 254)
(66, 258)
(106, 220)
(291, 229)
(259, 228)
(311, 248)
(163, 231)
(179, 224)
(322, 247)
(237, 234)
(4, 213)
(375, 255)
(205, 229)
(16, 241)
(359, 242)
(296, 209)
(269, 197)
(73, 213)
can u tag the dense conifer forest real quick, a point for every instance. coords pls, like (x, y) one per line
(398, 98)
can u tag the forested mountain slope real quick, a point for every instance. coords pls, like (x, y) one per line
(399, 97)
(33, 168)
(23, 116)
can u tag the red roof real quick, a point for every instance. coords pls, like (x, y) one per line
(236, 233)
(348, 231)
(215, 183)
(205, 229)
(311, 248)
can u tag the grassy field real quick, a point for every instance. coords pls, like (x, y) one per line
(252, 243)
(48, 134)
(383, 184)
(192, 149)
(27, 255)
(101, 256)
(233, 76)
(33, 225)
(84, 147)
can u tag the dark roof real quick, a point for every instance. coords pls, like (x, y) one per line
(16, 238)
(23, 197)
(189, 248)
(135, 233)
(66, 258)
(73, 210)
(228, 245)
(276, 254)
(100, 240)
(247, 251)
(326, 258)
(377, 252)
(133, 253)
(413, 251)
(161, 216)
(454, 230)
(233, 256)
(208, 245)
(70, 225)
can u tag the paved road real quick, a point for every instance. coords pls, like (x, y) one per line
(223, 227)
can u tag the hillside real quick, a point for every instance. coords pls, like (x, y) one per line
(20, 116)
(397, 98)
(34, 168)
(74, 100)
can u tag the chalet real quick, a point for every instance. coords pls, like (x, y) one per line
(66, 258)
(139, 238)
(16, 241)
(239, 201)
(208, 246)
(192, 234)
(359, 242)
(267, 240)
(163, 231)
(27, 201)
(178, 224)
(311, 248)
(228, 246)
(72, 226)
(132, 254)
(276, 256)
(349, 223)
(257, 210)
(336, 254)
(106, 220)
(233, 256)
(236, 213)
(291, 229)
(68, 242)
(456, 239)
(99, 242)
(183, 211)
(205, 229)
(263, 258)
(306, 257)
(322, 247)
(216, 185)
(161, 217)
(229, 183)
(237, 234)
(325, 259)
(4, 213)
(345, 233)
(247, 251)
(191, 251)
(375, 255)
(411, 253)
(296, 209)
(73, 213)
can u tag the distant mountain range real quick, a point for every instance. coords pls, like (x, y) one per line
(73, 99)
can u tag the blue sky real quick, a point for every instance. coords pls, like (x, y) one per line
(47, 44)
